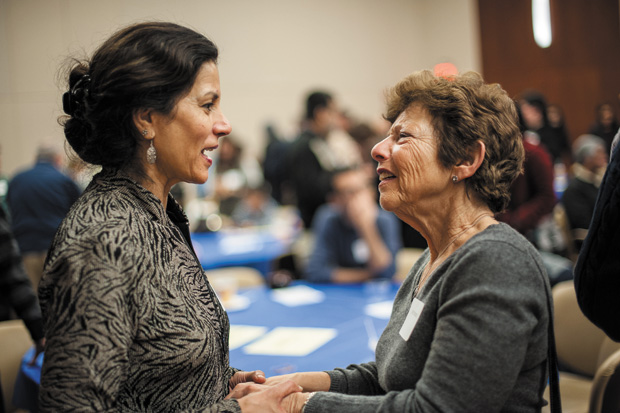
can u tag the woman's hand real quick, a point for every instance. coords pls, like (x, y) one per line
(309, 381)
(294, 402)
(256, 376)
(254, 397)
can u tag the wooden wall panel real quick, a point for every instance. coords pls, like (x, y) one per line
(578, 71)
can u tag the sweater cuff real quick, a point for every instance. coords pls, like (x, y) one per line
(338, 381)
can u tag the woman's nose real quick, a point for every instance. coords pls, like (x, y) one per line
(222, 127)
(381, 151)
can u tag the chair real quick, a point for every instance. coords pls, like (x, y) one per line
(605, 394)
(581, 347)
(14, 342)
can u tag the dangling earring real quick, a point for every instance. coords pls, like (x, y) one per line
(455, 178)
(151, 154)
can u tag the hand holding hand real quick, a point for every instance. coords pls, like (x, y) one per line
(256, 376)
(254, 397)
(294, 402)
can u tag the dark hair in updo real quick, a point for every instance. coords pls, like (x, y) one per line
(143, 66)
(464, 110)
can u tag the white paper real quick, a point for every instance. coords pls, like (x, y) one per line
(291, 341)
(412, 318)
(297, 295)
(242, 334)
(382, 309)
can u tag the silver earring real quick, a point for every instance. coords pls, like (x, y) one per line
(455, 178)
(145, 132)
(151, 154)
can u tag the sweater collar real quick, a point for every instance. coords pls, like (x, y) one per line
(120, 181)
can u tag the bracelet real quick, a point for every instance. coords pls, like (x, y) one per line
(303, 408)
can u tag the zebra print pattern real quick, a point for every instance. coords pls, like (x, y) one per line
(130, 320)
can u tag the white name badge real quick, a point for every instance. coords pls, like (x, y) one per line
(412, 318)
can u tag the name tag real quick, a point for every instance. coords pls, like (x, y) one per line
(412, 319)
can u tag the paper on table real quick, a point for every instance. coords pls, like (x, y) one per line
(381, 309)
(291, 341)
(241, 334)
(297, 295)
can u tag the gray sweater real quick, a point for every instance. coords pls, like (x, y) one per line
(479, 344)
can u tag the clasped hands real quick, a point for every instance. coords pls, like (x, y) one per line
(282, 394)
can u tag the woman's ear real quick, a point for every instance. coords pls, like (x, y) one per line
(468, 167)
(143, 121)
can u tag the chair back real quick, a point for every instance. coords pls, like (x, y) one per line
(605, 394)
(14, 342)
(578, 341)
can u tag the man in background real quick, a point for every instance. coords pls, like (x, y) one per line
(38, 200)
(354, 239)
(579, 198)
(310, 160)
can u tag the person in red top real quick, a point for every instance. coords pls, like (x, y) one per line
(532, 197)
(532, 200)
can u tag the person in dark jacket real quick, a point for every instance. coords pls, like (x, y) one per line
(597, 273)
(579, 197)
(17, 296)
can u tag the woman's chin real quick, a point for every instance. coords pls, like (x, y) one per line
(386, 204)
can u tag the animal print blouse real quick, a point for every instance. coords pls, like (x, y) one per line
(130, 319)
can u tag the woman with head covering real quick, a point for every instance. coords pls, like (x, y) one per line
(131, 321)
(469, 325)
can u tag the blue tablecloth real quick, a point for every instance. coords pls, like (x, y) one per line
(343, 309)
(250, 247)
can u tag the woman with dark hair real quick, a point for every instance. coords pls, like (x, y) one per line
(131, 321)
(469, 326)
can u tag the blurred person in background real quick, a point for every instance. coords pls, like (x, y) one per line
(39, 198)
(310, 160)
(557, 123)
(354, 239)
(530, 210)
(596, 274)
(235, 172)
(533, 106)
(580, 196)
(17, 297)
(605, 124)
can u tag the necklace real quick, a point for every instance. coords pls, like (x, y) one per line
(428, 270)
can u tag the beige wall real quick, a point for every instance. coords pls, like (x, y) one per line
(271, 53)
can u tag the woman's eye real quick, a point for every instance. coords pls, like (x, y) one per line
(208, 106)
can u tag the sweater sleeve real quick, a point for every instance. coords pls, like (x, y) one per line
(90, 327)
(85, 293)
(489, 313)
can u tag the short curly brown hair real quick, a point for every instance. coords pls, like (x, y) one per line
(464, 110)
